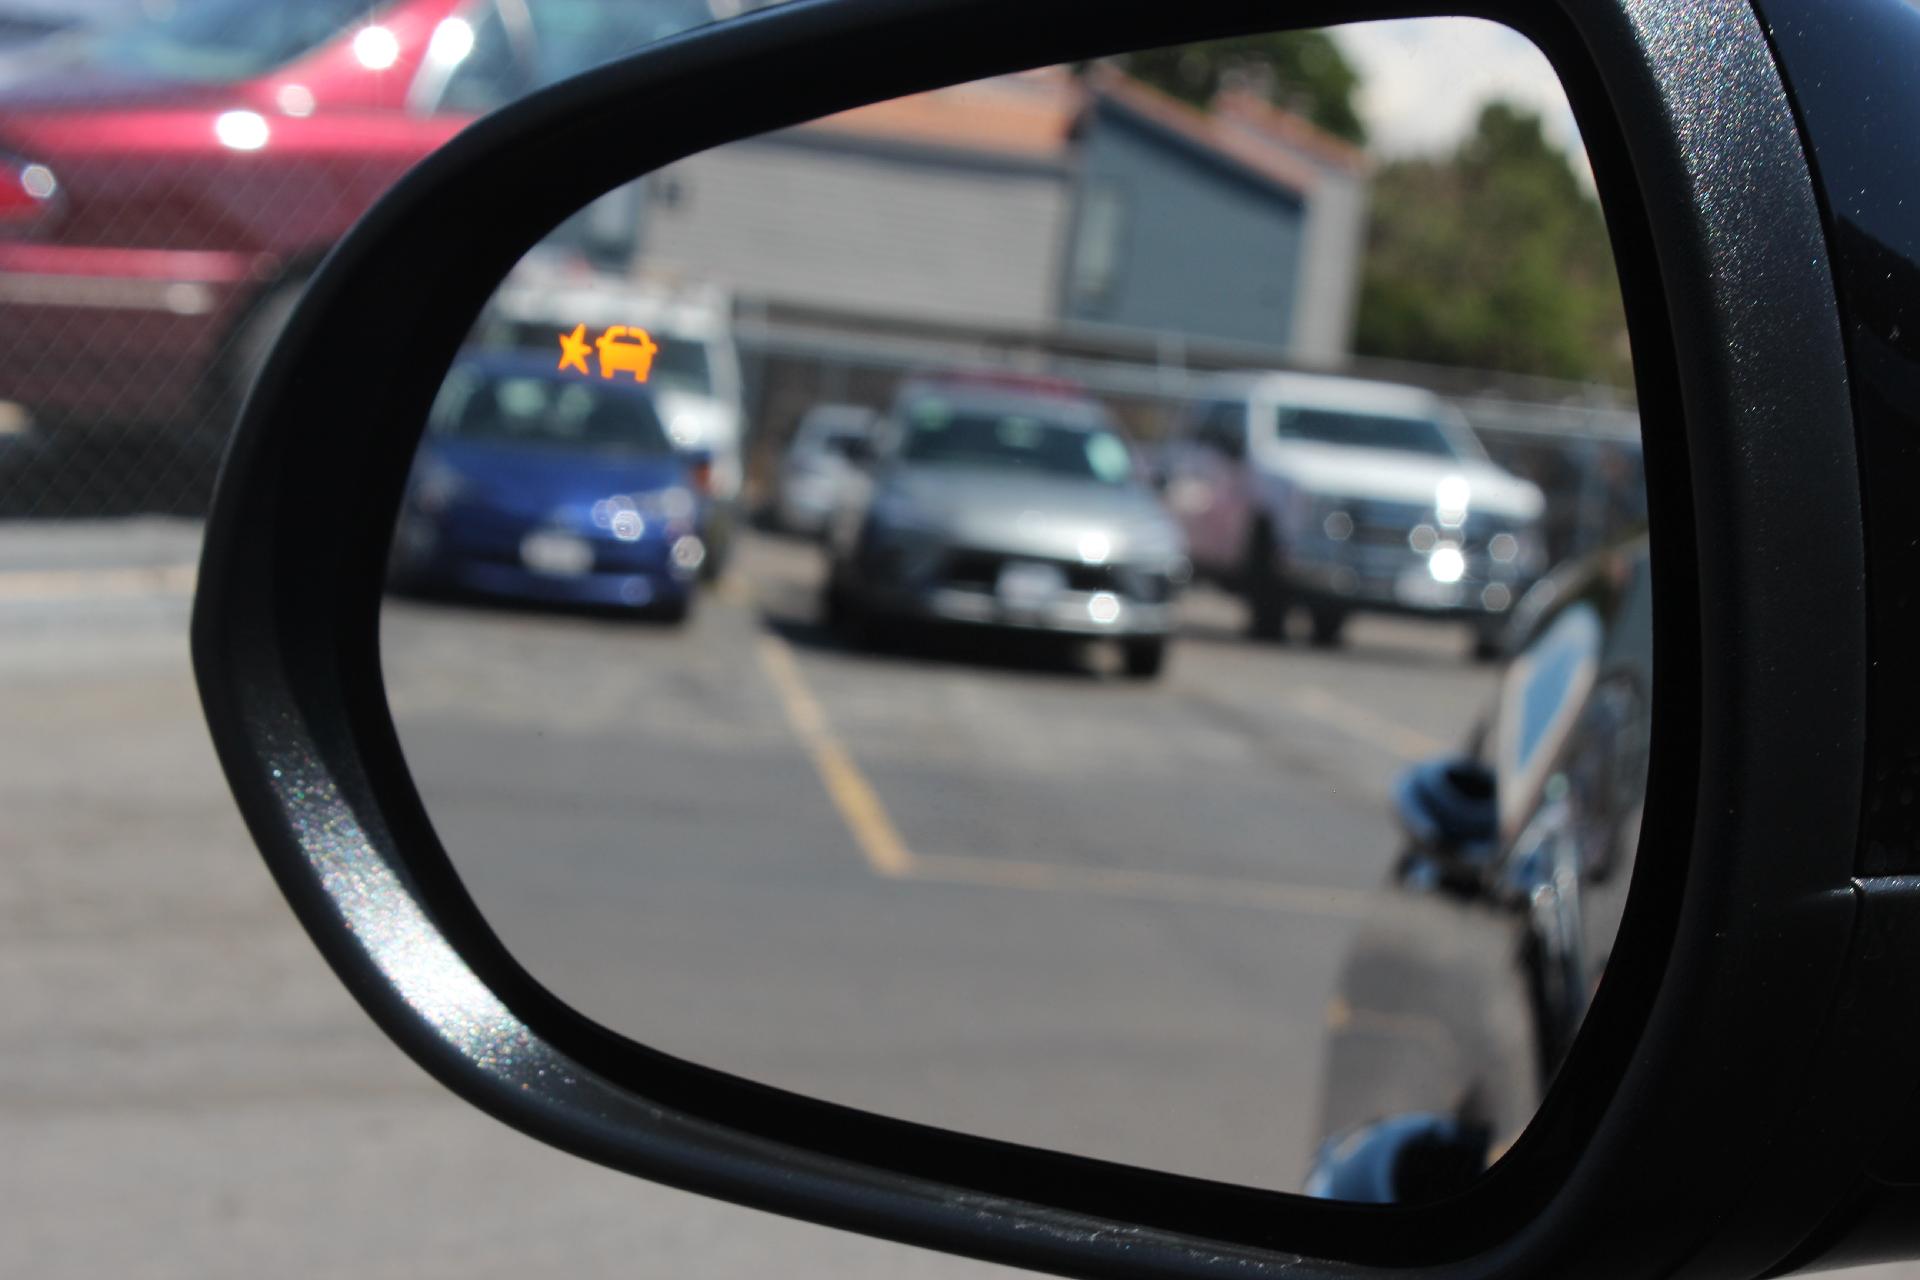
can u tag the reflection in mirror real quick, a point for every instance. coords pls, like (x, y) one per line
(1105, 607)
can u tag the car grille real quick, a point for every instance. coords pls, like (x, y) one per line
(974, 570)
(1389, 524)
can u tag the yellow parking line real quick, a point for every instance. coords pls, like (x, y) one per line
(1427, 1028)
(859, 805)
(1158, 886)
(886, 853)
(1358, 722)
(96, 584)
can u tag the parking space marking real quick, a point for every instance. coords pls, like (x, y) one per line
(859, 805)
(886, 852)
(1157, 886)
(114, 583)
(1370, 727)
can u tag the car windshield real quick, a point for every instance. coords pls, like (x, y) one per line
(534, 409)
(216, 41)
(843, 441)
(1365, 431)
(1013, 440)
(681, 365)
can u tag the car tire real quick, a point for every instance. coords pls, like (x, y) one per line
(719, 537)
(1487, 646)
(1329, 626)
(1144, 659)
(842, 617)
(674, 613)
(1260, 584)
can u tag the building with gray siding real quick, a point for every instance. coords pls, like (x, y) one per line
(1041, 205)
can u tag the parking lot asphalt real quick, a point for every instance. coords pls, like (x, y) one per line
(992, 886)
(996, 888)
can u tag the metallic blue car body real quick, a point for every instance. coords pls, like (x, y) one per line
(474, 508)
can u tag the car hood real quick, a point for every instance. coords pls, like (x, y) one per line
(1041, 516)
(1393, 475)
(535, 481)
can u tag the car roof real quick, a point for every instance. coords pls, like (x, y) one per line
(1392, 399)
(540, 292)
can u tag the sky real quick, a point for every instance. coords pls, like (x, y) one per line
(1425, 80)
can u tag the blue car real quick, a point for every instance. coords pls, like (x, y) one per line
(538, 485)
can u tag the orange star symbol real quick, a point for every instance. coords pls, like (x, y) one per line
(573, 349)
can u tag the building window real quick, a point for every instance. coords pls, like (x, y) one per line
(1098, 242)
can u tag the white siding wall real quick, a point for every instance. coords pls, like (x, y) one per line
(847, 230)
(1329, 291)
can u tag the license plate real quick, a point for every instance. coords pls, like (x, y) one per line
(1029, 586)
(558, 554)
(1417, 587)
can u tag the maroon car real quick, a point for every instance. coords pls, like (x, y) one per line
(167, 185)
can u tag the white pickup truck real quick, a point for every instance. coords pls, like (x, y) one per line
(1340, 496)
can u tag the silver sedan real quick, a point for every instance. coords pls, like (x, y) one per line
(1008, 508)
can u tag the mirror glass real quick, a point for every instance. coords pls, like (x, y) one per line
(1104, 607)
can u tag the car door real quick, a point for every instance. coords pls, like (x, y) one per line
(1205, 490)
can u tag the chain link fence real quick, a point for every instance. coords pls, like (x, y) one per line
(1579, 443)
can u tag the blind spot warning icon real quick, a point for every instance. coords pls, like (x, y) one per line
(624, 350)
(573, 349)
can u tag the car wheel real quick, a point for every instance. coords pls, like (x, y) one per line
(719, 539)
(674, 613)
(842, 616)
(1486, 645)
(1260, 582)
(1144, 659)
(1328, 627)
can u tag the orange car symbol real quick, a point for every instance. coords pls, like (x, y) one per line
(626, 350)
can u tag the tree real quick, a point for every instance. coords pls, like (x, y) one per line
(1495, 257)
(1303, 71)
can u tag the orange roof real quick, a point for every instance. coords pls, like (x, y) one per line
(1033, 114)
(1296, 131)
(1029, 114)
(1245, 147)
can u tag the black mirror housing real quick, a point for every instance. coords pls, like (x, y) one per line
(1720, 1112)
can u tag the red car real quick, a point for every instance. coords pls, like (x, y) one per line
(167, 185)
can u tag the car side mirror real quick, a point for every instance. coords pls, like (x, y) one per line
(1739, 1098)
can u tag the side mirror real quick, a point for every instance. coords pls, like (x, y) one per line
(1738, 1100)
